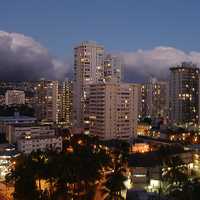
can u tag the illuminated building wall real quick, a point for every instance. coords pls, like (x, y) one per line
(65, 103)
(88, 69)
(13, 97)
(112, 69)
(184, 94)
(46, 101)
(113, 110)
(154, 99)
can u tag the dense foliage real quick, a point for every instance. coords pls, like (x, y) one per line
(79, 172)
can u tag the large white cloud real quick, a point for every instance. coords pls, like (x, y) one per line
(21, 57)
(142, 64)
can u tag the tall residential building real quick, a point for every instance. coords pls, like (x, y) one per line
(142, 103)
(13, 97)
(154, 99)
(65, 103)
(46, 101)
(113, 110)
(88, 69)
(184, 93)
(112, 69)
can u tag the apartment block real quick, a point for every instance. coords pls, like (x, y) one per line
(113, 110)
(154, 99)
(88, 69)
(184, 93)
(46, 101)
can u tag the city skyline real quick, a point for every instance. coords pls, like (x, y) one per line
(99, 100)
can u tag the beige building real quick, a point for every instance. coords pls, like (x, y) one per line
(46, 101)
(13, 97)
(113, 110)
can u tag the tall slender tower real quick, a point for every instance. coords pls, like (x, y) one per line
(88, 69)
(65, 102)
(184, 93)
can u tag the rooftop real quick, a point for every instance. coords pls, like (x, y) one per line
(16, 117)
(9, 154)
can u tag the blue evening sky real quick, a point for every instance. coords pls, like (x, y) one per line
(120, 25)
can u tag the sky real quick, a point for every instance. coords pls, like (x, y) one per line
(149, 34)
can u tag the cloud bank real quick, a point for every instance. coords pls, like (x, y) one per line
(22, 58)
(142, 64)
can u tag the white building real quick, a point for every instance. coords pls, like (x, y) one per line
(154, 99)
(14, 132)
(113, 110)
(43, 142)
(13, 97)
(88, 69)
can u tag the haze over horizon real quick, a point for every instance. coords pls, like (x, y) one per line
(37, 38)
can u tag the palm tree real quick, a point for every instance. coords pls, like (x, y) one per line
(51, 170)
(24, 180)
(190, 190)
(175, 174)
(39, 161)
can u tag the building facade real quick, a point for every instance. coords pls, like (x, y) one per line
(113, 110)
(154, 99)
(14, 97)
(16, 131)
(184, 94)
(88, 69)
(65, 96)
(46, 101)
(30, 143)
(112, 69)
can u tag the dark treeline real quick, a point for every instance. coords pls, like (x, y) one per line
(84, 169)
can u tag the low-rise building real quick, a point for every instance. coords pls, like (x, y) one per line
(16, 131)
(16, 119)
(13, 97)
(29, 143)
